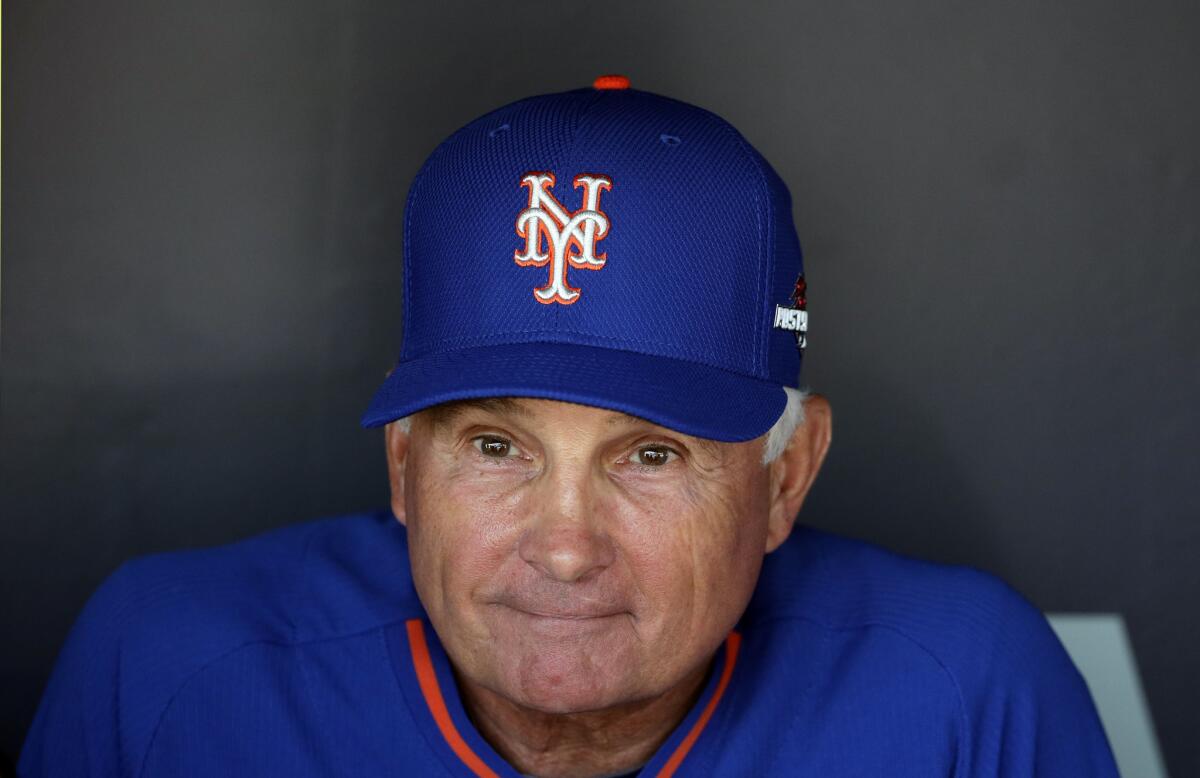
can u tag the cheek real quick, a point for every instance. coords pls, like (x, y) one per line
(460, 530)
(696, 550)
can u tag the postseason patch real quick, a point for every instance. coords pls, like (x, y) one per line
(795, 318)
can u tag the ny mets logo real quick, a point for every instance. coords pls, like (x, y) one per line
(557, 237)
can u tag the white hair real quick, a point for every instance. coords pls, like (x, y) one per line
(778, 436)
(781, 431)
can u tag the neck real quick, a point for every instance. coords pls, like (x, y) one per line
(592, 743)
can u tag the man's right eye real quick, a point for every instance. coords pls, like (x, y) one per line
(493, 446)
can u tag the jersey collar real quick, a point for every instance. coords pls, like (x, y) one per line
(427, 681)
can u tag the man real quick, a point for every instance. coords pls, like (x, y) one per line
(597, 452)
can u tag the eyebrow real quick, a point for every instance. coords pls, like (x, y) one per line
(446, 412)
(626, 419)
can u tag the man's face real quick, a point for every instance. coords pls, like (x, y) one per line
(573, 558)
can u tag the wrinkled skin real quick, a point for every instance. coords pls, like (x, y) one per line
(582, 566)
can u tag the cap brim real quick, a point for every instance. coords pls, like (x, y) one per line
(691, 398)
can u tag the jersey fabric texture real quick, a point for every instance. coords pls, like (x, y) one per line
(305, 652)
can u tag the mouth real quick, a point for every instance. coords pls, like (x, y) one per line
(563, 626)
(567, 616)
(559, 614)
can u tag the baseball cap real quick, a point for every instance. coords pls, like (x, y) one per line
(605, 246)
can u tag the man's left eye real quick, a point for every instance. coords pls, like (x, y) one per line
(653, 456)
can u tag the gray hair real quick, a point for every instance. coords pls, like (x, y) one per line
(781, 431)
(778, 436)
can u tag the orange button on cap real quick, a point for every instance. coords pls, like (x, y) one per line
(611, 82)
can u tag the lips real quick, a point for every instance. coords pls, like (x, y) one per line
(567, 615)
(578, 611)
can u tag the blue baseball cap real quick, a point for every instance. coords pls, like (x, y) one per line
(604, 246)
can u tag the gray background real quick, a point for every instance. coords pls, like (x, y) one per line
(998, 202)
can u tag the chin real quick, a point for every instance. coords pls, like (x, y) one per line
(570, 697)
(556, 682)
(564, 666)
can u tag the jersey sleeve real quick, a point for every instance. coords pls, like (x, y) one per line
(76, 731)
(1028, 709)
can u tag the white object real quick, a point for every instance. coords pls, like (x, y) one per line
(1100, 648)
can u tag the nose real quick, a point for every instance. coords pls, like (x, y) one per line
(566, 540)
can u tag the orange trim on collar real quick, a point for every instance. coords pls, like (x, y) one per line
(732, 644)
(427, 679)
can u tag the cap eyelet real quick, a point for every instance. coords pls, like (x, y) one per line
(503, 128)
(669, 140)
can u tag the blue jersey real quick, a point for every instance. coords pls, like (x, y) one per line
(305, 652)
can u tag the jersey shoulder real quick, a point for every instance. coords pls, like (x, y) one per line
(954, 611)
(1020, 697)
(306, 581)
(161, 618)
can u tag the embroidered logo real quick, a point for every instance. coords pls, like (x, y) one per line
(557, 237)
(795, 319)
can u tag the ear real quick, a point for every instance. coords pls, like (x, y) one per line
(793, 471)
(396, 439)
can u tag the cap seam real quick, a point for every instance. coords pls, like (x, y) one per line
(406, 264)
(765, 256)
(589, 103)
(406, 261)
